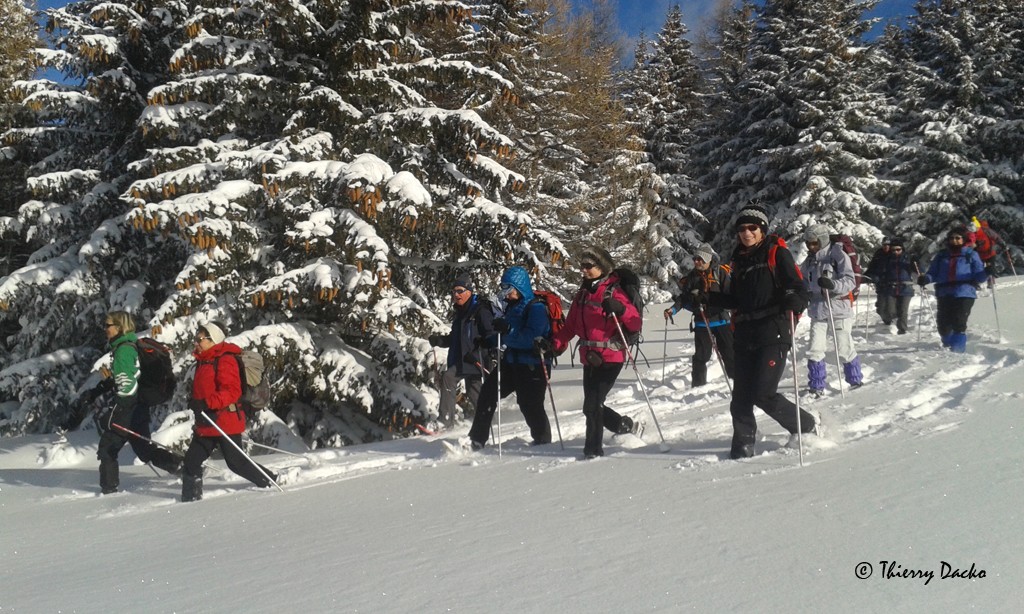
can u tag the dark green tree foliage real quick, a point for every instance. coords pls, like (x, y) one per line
(961, 116)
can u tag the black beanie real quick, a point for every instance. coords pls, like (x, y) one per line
(463, 281)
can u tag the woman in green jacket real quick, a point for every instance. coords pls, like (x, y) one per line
(128, 420)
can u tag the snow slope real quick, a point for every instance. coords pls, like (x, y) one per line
(927, 469)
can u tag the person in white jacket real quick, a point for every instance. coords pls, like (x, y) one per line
(828, 275)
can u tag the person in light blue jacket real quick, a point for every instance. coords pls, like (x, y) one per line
(956, 271)
(829, 277)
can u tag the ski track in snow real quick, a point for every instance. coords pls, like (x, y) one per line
(926, 393)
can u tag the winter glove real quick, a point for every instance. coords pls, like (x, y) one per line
(500, 326)
(613, 306)
(668, 314)
(471, 358)
(794, 301)
(990, 269)
(922, 280)
(198, 406)
(699, 299)
(439, 341)
(543, 345)
(826, 283)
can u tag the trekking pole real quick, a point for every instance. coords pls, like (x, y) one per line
(551, 393)
(639, 380)
(272, 448)
(147, 439)
(498, 403)
(1010, 260)
(796, 389)
(714, 346)
(835, 340)
(995, 308)
(664, 348)
(240, 450)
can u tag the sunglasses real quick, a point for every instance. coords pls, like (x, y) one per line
(506, 288)
(897, 249)
(459, 290)
(955, 238)
(747, 228)
(201, 338)
(587, 265)
(108, 324)
(811, 243)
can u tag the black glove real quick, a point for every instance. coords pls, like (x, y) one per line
(668, 313)
(439, 341)
(922, 280)
(826, 283)
(699, 299)
(543, 345)
(500, 326)
(990, 269)
(471, 358)
(198, 406)
(613, 306)
(794, 301)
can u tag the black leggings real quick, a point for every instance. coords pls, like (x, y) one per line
(201, 448)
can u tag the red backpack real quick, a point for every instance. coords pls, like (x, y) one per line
(553, 302)
(851, 250)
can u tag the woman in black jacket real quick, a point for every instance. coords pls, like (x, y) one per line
(766, 288)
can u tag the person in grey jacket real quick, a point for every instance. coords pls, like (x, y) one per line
(828, 275)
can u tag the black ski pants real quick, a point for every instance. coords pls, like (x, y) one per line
(201, 448)
(597, 383)
(952, 313)
(527, 382)
(758, 373)
(704, 352)
(113, 440)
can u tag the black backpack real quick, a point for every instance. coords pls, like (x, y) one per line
(629, 281)
(156, 376)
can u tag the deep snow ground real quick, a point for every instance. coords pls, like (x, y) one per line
(927, 468)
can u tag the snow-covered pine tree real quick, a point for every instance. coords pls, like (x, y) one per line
(810, 140)
(962, 110)
(299, 181)
(73, 140)
(666, 89)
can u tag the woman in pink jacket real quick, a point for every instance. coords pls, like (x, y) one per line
(602, 349)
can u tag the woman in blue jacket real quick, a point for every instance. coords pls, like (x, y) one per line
(523, 320)
(956, 272)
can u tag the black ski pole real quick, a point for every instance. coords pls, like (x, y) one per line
(547, 380)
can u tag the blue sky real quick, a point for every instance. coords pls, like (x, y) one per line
(649, 15)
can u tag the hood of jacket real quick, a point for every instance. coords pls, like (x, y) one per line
(518, 278)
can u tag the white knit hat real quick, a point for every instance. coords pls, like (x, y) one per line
(215, 331)
(704, 252)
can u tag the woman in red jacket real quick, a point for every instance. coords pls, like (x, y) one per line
(216, 390)
(602, 350)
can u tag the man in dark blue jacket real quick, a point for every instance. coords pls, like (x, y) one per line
(466, 359)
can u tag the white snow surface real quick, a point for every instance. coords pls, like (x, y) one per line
(922, 472)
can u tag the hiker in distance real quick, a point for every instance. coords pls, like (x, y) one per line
(602, 349)
(216, 392)
(830, 281)
(521, 321)
(894, 276)
(766, 293)
(467, 359)
(129, 410)
(708, 275)
(956, 272)
(872, 273)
